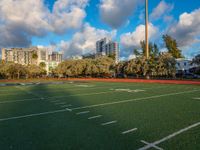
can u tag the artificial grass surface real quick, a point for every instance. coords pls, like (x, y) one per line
(156, 116)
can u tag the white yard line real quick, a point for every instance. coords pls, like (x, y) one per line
(108, 123)
(169, 136)
(103, 104)
(48, 98)
(74, 88)
(198, 98)
(32, 115)
(31, 99)
(66, 105)
(94, 117)
(153, 146)
(83, 112)
(128, 131)
(131, 100)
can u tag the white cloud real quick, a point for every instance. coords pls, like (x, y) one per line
(84, 42)
(23, 19)
(162, 9)
(132, 40)
(68, 14)
(187, 29)
(116, 12)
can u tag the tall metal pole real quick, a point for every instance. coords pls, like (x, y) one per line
(146, 29)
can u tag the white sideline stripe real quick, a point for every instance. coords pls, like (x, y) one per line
(83, 112)
(32, 99)
(154, 146)
(170, 136)
(66, 105)
(110, 122)
(32, 115)
(89, 88)
(81, 94)
(128, 131)
(103, 104)
(131, 100)
(36, 99)
(94, 117)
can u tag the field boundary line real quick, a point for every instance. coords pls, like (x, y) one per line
(59, 97)
(33, 115)
(131, 100)
(80, 89)
(97, 105)
(169, 136)
(70, 88)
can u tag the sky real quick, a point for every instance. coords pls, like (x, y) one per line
(74, 26)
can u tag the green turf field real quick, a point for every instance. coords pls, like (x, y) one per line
(100, 116)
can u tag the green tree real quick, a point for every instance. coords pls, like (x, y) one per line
(136, 52)
(42, 65)
(35, 71)
(172, 46)
(166, 65)
(153, 49)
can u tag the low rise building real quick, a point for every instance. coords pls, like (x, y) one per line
(32, 55)
(183, 66)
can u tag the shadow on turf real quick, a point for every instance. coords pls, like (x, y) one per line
(63, 130)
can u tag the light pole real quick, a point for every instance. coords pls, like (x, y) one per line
(146, 29)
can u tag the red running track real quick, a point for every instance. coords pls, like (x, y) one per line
(137, 81)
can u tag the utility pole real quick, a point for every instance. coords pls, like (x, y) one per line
(146, 29)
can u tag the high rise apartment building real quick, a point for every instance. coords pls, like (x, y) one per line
(107, 47)
(32, 55)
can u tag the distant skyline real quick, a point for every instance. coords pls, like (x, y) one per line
(75, 25)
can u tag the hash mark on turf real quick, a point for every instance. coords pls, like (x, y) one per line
(154, 146)
(108, 123)
(94, 117)
(128, 131)
(198, 98)
(170, 136)
(68, 109)
(83, 112)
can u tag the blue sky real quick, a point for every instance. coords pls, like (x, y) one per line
(74, 25)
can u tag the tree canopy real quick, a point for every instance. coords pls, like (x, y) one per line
(172, 46)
